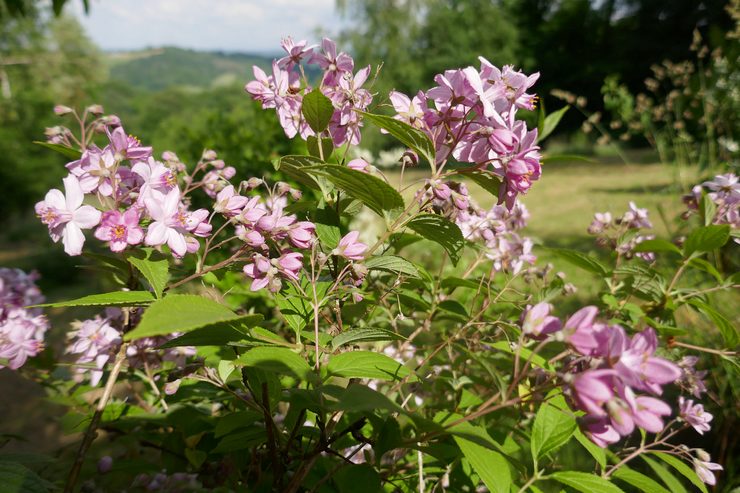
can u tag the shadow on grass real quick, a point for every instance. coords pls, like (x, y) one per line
(660, 189)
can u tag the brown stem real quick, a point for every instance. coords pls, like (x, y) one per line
(90, 433)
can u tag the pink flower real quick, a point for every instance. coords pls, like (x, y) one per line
(333, 64)
(157, 178)
(169, 223)
(301, 235)
(704, 467)
(290, 264)
(599, 430)
(579, 330)
(66, 217)
(296, 52)
(640, 369)
(694, 415)
(409, 110)
(120, 229)
(592, 389)
(263, 274)
(636, 218)
(21, 337)
(359, 164)
(647, 411)
(538, 321)
(350, 248)
(127, 146)
(94, 341)
(229, 203)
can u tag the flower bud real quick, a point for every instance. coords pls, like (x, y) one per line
(209, 155)
(169, 156)
(60, 110)
(105, 464)
(218, 164)
(253, 183)
(95, 109)
(409, 158)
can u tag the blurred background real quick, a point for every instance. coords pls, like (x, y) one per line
(652, 84)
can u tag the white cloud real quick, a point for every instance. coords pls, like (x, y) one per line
(231, 25)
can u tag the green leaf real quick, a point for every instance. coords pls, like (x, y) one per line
(706, 239)
(293, 166)
(552, 429)
(366, 364)
(660, 470)
(369, 189)
(638, 480)
(566, 158)
(708, 209)
(406, 134)
(317, 109)
(485, 179)
(725, 326)
(116, 298)
(579, 259)
(585, 482)
(216, 335)
(391, 263)
(16, 478)
(682, 468)
(358, 478)
(358, 398)
(440, 230)
(551, 122)
(277, 360)
(65, 151)
(478, 447)
(657, 245)
(294, 308)
(327, 147)
(153, 266)
(701, 264)
(366, 334)
(180, 313)
(327, 226)
(596, 452)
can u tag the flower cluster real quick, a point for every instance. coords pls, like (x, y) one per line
(95, 342)
(610, 370)
(136, 199)
(285, 88)
(497, 228)
(724, 192)
(21, 329)
(471, 115)
(623, 234)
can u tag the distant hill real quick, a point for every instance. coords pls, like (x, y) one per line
(156, 69)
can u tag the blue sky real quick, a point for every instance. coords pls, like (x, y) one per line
(230, 25)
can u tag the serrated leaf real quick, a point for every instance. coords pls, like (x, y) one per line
(478, 447)
(180, 313)
(317, 109)
(65, 151)
(551, 123)
(708, 209)
(358, 397)
(16, 478)
(216, 335)
(277, 360)
(440, 230)
(596, 452)
(392, 263)
(706, 239)
(683, 469)
(485, 179)
(153, 266)
(638, 480)
(585, 482)
(366, 364)
(116, 298)
(552, 429)
(657, 245)
(406, 134)
(674, 485)
(725, 326)
(293, 166)
(324, 152)
(582, 260)
(366, 334)
(371, 190)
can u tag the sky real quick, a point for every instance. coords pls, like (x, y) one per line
(229, 25)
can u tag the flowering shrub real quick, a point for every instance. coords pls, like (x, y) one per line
(352, 362)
